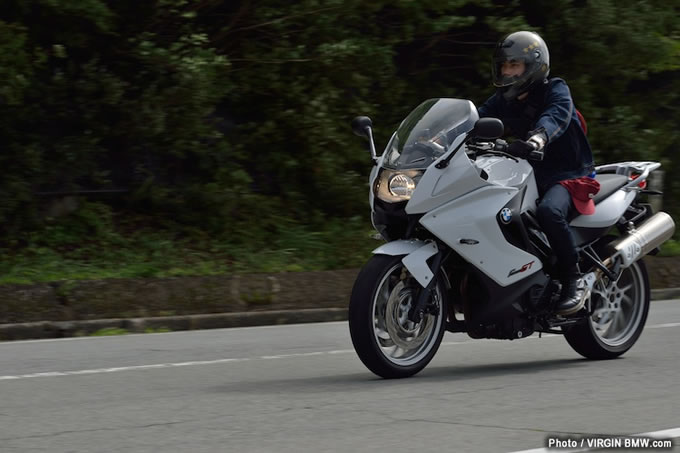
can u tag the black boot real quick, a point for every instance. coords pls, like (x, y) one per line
(571, 296)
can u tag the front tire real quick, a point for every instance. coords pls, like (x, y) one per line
(388, 343)
(619, 314)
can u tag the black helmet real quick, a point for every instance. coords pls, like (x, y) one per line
(522, 46)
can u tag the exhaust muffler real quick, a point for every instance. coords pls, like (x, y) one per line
(646, 237)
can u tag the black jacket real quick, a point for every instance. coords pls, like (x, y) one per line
(549, 108)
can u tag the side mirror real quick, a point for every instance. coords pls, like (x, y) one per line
(361, 125)
(488, 129)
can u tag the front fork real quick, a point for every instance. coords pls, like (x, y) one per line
(417, 253)
(421, 307)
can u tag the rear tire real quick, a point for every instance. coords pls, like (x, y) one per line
(619, 314)
(385, 340)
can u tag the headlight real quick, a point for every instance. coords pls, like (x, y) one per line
(393, 186)
(401, 185)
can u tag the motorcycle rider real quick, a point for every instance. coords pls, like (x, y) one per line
(541, 114)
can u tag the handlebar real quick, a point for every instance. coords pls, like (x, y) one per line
(536, 155)
(497, 148)
(500, 147)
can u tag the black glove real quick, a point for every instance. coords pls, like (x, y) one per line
(520, 148)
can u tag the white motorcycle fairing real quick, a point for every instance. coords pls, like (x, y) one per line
(439, 186)
(417, 253)
(508, 173)
(469, 226)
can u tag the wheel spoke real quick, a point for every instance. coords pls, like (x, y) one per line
(624, 289)
(613, 326)
(382, 334)
(601, 328)
(398, 352)
(384, 292)
(379, 322)
(620, 322)
(601, 312)
(628, 301)
(391, 350)
(601, 293)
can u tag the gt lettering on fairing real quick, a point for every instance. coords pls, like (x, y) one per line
(521, 269)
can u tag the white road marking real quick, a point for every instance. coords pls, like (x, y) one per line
(163, 365)
(661, 326)
(664, 434)
(246, 359)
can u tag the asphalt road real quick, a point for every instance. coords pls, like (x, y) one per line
(301, 388)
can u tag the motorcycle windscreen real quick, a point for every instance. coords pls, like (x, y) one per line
(428, 132)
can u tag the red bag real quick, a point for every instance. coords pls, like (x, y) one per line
(582, 120)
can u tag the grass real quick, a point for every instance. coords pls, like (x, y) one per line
(112, 331)
(68, 252)
(93, 245)
(670, 248)
(109, 331)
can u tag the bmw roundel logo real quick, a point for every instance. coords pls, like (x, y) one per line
(506, 215)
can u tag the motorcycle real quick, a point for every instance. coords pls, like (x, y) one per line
(465, 253)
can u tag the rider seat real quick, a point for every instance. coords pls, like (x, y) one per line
(609, 183)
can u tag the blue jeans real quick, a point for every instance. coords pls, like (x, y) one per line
(552, 215)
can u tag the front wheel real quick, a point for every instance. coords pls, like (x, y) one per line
(387, 342)
(619, 313)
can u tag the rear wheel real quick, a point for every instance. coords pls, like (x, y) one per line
(387, 342)
(620, 311)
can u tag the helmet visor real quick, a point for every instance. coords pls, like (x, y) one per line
(513, 70)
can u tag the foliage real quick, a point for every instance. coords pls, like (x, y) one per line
(95, 243)
(670, 248)
(226, 123)
(107, 96)
(109, 332)
(115, 331)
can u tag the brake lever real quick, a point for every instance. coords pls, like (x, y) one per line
(499, 149)
(500, 145)
(504, 154)
(498, 153)
(536, 155)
